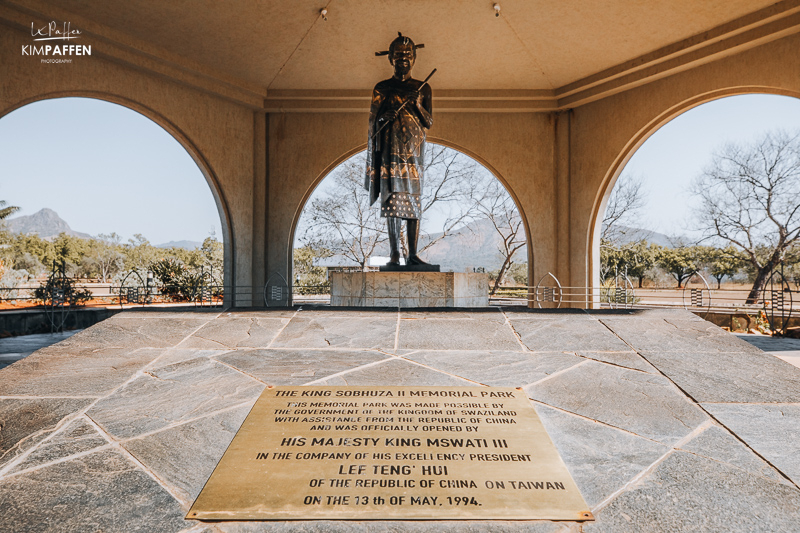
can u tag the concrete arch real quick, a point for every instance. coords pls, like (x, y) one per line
(203, 165)
(436, 140)
(615, 170)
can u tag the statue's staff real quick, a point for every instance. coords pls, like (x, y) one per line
(424, 83)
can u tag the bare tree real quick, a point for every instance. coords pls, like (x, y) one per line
(105, 255)
(497, 206)
(627, 199)
(750, 197)
(341, 220)
(452, 181)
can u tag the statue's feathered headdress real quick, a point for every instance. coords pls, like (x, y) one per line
(401, 40)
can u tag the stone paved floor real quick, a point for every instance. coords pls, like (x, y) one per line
(787, 349)
(12, 349)
(666, 422)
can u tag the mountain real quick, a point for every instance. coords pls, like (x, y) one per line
(477, 245)
(46, 223)
(189, 245)
(474, 245)
(627, 235)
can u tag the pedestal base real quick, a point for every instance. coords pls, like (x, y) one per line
(409, 268)
(409, 289)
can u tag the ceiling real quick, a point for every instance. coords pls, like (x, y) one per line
(534, 45)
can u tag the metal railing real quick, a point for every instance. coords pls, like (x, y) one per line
(772, 307)
(775, 306)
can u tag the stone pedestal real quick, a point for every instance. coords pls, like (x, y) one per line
(409, 289)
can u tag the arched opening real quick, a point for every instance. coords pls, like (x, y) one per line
(701, 162)
(471, 222)
(126, 182)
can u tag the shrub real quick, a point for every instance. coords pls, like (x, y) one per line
(60, 290)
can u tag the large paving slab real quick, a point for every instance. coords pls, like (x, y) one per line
(396, 372)
(184, 456)
(324, 331)
(236, 332)
(771, 430)
(498, 369)
(730, 376)
(77, 372)
(24, 422)
(718, 443)
(642, 403)
(456, 334)
(79, 436)
(103, 491)
(675, 334)
(297, 367)
(566, 334)
(600, 458)
(172, 394)
(123, 331)
(666, 422)
(688, 492)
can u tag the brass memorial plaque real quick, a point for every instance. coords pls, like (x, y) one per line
(402, 453)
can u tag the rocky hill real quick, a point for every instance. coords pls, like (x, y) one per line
(478, 245)
(46, 223)
(475, 245)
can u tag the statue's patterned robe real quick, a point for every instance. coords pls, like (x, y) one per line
(395, 155)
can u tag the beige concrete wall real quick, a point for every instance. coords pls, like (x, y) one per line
(559, 166)
(218, 134)
(517, 148)
(606, 133)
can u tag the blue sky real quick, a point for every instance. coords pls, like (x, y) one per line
(106, 168)
(103, 168)
(679, 151)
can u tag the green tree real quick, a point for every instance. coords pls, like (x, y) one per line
(310, 279)
(722, 262)
(6, 212)
(519, 273)
(139, 253)
(177, 281)
(103, 257)
(639, 258)
(213, 253)
(681, 262)
(28, 252)
(633, 259)
(66, 249)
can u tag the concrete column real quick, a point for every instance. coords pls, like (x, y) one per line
(260, 199)
(562, 185)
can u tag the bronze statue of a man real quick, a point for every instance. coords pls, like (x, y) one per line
(398, 120)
